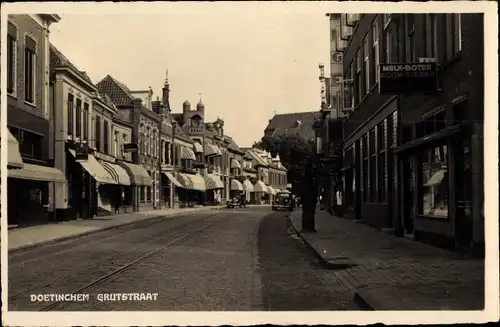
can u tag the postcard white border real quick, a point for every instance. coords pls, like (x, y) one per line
(491, 312)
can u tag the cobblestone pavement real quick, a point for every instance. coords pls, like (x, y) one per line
(398, 274)
(243, 259)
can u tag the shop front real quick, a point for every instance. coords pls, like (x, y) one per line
(213, 187)
(271, 192)
(87, 185)
(29, 197)
(259, 192)
(436, 188)
(248, 189)
(170, 189)
(236, 188)
(193, 190)
(120, 194)
(140, 182)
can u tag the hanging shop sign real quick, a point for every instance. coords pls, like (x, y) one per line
(408, 78)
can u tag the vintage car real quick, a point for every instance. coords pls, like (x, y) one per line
(284, 201)
(235, 202)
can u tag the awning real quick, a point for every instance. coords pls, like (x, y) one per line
(247, 186)
(197, 147)
(271, 190)
(172, 179)
(212, 150)
(192, 181)
(138, 175)
(94, 168)
(212, 182)
(284, 191)
(14, 159)
(235, 164)
(236, 185)
(187, 153)
(437, 178)
(38, 173)
(118, 172)
(260, 187)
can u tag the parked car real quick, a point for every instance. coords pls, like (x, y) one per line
(283, 201)
(235, 202)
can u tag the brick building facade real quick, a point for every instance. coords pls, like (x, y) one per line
(413, 163)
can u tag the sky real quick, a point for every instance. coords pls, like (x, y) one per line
(247, 61)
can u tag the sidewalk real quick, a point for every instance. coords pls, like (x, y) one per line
(22, 238)
(390, 273)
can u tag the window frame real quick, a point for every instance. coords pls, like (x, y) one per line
(70, 119)
(367, 62)
(105, 137)
(376, 50)
(85, 121)
(359, 76)
(78, 115)
(410, 38)
(97, 133)
(12, 55)
(33, 57)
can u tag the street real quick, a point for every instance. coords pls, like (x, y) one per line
(228, 259)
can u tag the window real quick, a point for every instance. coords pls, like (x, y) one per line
(434, 186)
(142, 193)
(78, 117)
(359, 76)
(71, 118)
(453, 35)
(349, 95)
(98, 133)
(86, 121)
(387, 19)
(376, 49)
(431, 35)
(373, 166)
(431, 124)
(124, 140)
(115, 145)
(106, 137)
(410, 33)
(366, 50)
(30, 144)
(388, 46)
(381, 160)
(29, 69)
(11, 58)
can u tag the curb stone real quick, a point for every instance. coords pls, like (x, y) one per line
(327, 263)
(150, 220)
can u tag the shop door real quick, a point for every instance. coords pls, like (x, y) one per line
(407, 194)
(463, 188)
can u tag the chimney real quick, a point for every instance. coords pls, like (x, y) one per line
(137, 103)
(156, 105)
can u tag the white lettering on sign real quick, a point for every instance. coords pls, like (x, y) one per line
(410, 74)
(407, 68)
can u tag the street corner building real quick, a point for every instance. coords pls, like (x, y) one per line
(412, 112)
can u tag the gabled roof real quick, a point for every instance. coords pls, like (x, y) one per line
(58, 60)
(118, 92)
(298, 123)
(257, 158)
(233, 146)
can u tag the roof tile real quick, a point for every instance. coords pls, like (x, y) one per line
(57, 59)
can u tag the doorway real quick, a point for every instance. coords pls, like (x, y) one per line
(407, 194)
(463, 197)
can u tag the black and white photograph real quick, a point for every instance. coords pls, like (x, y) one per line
(329, 162)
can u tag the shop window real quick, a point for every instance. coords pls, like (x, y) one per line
(381, 161)
(71, 114)
(365, 169)
(149, 194)
(434, 186)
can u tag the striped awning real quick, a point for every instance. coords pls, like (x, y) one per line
(212, 182)
(187, 153)
(138, 174)
(260, 187)
(172, 179)
(94, 168)
(247, 186)
(270, 190)
(236, 185)
(212, 150)
(117, 172)
(235, 164)
(197, 147)
(192, 181)
(14, 159)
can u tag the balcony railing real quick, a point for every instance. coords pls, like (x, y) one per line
(196, 130)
